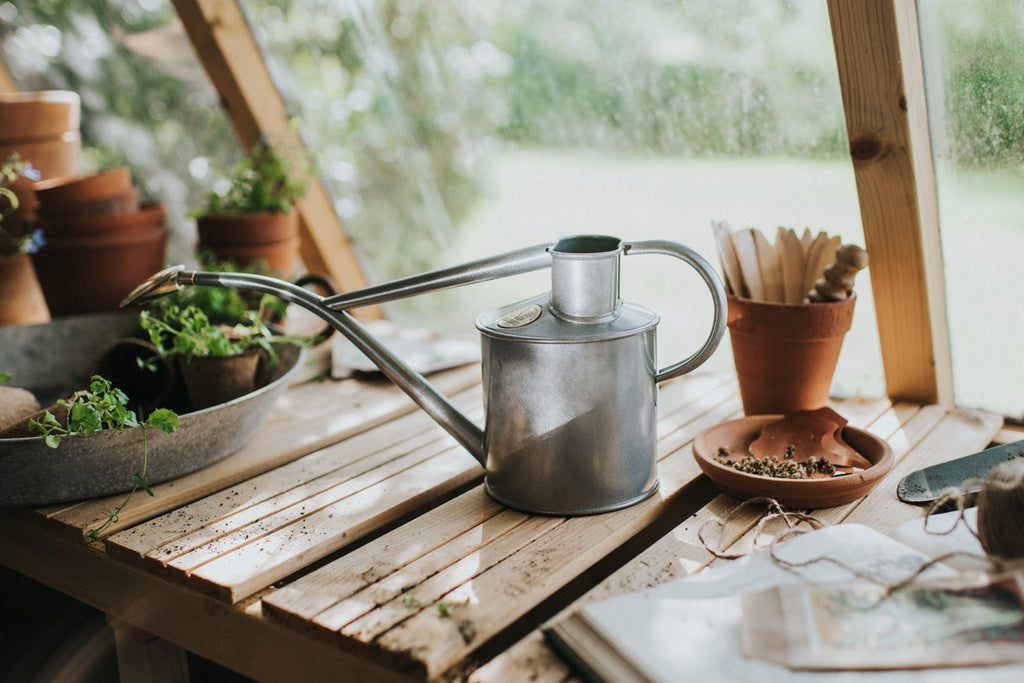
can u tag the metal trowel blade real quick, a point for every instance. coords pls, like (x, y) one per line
(928, 484)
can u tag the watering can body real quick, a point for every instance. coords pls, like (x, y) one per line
(570, 410)
(570, 377)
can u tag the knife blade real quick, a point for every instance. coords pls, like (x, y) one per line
(928, 484)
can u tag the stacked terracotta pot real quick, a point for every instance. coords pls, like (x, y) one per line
(100, 241)
(42, 128)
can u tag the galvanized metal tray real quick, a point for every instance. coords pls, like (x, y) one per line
(50, 359)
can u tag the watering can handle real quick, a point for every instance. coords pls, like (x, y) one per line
(714, 283)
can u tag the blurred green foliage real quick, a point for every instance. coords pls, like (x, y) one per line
(404, 102)
(984, 81)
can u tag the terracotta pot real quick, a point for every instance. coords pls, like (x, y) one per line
(245, 238)
(18, 220)
(786, 354)
(126, 202)
(60, 228)
(43, 128)
(94, 273)
(69, 190)
(211, 381)
(21, 297)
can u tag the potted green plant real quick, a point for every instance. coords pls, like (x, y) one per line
(255, 220)
(22, 302)
(217, 361)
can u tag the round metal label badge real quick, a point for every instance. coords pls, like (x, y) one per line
(524, 315)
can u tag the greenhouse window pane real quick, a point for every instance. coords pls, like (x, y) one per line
(974, 67)
(448, 131)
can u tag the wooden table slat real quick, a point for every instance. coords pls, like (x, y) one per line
(241, 540)
(334, 578)
(306, 418)
(522, 579)
(433, 583)
(256, 565)
(192, 525)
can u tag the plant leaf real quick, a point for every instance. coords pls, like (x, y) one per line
(142, 483)
(164, 419)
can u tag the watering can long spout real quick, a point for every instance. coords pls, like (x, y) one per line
(333, 310)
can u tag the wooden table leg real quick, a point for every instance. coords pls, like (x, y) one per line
(143, 657)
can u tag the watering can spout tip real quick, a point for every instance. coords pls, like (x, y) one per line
(166, 281)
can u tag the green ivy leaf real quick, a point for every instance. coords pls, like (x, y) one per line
(85, 418)
(165, 420)
(140, 482)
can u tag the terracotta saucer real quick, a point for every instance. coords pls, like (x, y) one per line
(737, 435)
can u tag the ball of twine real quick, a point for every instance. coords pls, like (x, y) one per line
(1001, 511)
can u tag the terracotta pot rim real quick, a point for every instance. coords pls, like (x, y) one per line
(252, 247)
(55, 96)
(246, 229)
(39, 116)
(115, 205)
(150, 213)
(813, 321)
(63, 190)
(242, 214)
(776, 304)
(142, 235)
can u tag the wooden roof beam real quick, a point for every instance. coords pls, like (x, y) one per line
(228, 51)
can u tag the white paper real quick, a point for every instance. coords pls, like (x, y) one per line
(689, 629)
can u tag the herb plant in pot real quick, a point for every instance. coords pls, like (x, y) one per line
(255, 221)
(217, 362)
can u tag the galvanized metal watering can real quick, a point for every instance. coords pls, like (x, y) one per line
(570, 377)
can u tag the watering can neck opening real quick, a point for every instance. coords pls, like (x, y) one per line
(585, 278)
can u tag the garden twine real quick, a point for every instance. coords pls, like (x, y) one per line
(1000, 502)
(1001, 512)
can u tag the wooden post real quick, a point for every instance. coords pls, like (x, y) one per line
(228, 51)
(142, 657)
(880, 72)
